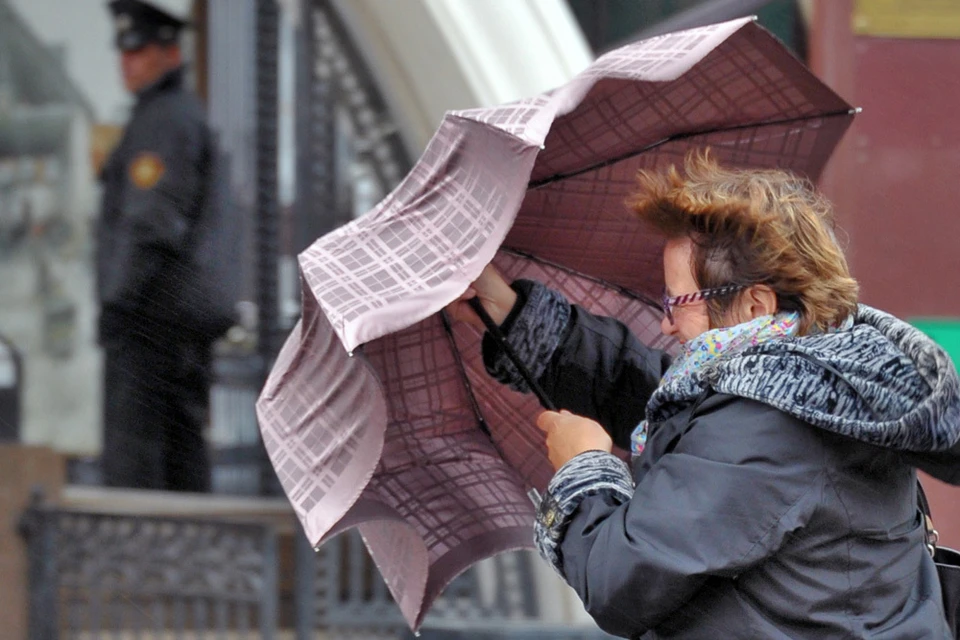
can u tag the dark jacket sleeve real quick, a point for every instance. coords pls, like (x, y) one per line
(740, 480)
(160, 214)
(590, 365)
(602, 371)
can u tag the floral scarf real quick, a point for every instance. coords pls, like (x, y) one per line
(683, 376)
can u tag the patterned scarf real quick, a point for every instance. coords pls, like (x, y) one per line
(683, 380)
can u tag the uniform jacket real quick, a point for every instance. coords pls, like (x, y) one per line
(780, 502)
(156, 186)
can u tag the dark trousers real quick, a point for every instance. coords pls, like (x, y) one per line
(156, 401)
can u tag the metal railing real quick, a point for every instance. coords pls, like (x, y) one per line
(350, 595)
(98, 574)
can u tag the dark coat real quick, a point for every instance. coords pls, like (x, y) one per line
(744, 522)
(162, 190)
(156, 186)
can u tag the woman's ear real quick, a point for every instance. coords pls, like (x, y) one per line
(756, 301)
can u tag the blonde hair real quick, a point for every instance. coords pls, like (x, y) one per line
(753, 226)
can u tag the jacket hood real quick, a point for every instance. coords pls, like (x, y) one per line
(880, 381)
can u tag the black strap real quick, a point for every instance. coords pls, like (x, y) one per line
(933, 537)
(922, 500)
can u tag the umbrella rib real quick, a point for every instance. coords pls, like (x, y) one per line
(629, 293)
(532, 492)
(481, 421)
(536, 184)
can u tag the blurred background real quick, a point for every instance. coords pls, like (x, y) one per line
(321, 106)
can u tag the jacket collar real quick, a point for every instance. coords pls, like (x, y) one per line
(170, 81)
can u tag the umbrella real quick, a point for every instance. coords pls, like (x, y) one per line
(378, 413)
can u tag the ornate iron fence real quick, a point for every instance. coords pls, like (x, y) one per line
(494, 630)
(98, 576)
(350, 598)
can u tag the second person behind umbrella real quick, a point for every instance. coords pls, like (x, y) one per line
(772, 490)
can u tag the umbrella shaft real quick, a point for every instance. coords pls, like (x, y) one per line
(497, 335)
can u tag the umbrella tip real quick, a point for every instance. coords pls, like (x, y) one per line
(856, 110)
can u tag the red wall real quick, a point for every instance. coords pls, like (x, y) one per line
(896, 177)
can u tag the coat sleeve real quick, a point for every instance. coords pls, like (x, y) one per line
(590, 365)
(165, 178)
(740, 480)
(602, 371)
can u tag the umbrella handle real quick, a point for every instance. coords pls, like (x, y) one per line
(501, 340)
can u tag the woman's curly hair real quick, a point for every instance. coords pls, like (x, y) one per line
(753, 226)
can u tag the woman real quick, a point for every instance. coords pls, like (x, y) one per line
(773, 484)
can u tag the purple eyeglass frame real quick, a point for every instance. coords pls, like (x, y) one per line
(669, 302)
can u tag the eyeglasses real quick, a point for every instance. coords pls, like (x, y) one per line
(669, 302)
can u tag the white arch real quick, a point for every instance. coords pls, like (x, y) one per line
(430, 56)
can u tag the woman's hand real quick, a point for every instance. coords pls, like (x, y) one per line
(494, 293)
(569, 435)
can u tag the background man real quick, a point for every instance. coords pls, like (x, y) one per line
(157, 191)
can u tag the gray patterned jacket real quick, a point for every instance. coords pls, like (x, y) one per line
(775, 497)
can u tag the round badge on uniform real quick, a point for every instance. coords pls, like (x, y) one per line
(146, 170)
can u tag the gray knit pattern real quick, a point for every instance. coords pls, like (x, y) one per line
(534, 336)
(900, 389)
(590, 473)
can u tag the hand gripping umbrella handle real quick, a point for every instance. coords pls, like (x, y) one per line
(494, 331)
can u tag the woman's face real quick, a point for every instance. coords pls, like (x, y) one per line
(690, 320)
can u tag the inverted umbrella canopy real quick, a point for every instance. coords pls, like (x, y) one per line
(407, 438)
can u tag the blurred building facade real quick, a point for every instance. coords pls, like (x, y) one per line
(47, 200)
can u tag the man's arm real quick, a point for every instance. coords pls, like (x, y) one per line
(165, 178)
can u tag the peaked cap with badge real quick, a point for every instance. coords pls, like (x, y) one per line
(138, 23)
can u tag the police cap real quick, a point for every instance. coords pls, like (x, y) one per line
(138, 23)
